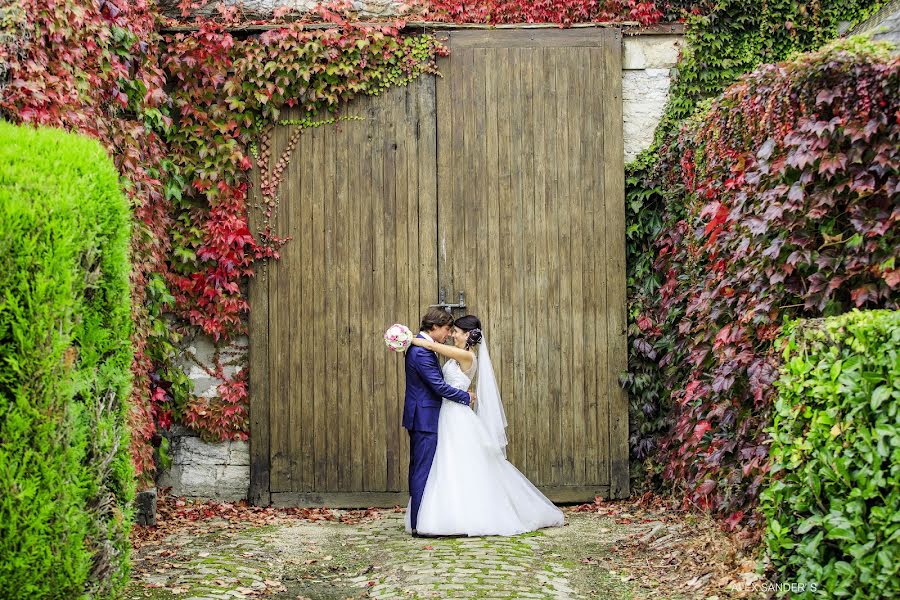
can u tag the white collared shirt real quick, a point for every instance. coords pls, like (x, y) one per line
(426, 336)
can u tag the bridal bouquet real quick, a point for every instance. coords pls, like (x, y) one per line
(398, 337)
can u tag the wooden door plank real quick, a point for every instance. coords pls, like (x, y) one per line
(476, 284)
(317, 387)
(260, 372)
(361, 328)
(410, 312)
(327, 472)
(306, 306)
(371, 204)
(614, 192)
(346, 324)
(518, 264)
(280, 407)
(586, 173)
(579, 293)
(433, 122)
(341, 275)
(509, 307)
(542, 345)
(292, 255)
(476, 226)
(456, 217)
(433, 119)
(446, 182)
(552, 265)
(532, 387)
(568, 320)
(598, 458)
(490, 269)
(382, 225)
(399, 253)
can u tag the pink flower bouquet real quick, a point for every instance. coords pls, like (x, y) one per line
(398, 337)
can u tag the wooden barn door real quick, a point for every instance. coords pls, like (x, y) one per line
(503, 179)
(532, 229)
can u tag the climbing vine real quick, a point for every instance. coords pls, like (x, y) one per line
(188, 116)
(90, 67)
(563, 12)
(685, 198)
(228, 96)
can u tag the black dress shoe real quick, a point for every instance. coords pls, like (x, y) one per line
(424, 535)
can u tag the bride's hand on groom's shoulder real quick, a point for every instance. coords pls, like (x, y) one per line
(420, 342)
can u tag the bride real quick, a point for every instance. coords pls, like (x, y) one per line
(471, 488)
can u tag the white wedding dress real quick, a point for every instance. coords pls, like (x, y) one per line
(472, 489)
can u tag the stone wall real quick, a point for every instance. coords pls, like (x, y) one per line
(883, 26)
(206, 470)
(202, 469)
(648, 65)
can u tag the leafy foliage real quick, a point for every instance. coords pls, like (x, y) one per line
(832, 503)
(724, 41)
(65, 368)
(101, 69)
(563, 12)
(91, 68)
(228, 95)
(780, 201)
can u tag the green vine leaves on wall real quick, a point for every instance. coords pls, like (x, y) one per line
(230, 94)
(91, 67)
(780, 202)
(723, 41)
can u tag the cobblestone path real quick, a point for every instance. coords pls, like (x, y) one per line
(329, 560)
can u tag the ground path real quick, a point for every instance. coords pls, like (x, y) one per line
(598, 554)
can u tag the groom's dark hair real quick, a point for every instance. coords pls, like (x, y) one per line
(435, 317)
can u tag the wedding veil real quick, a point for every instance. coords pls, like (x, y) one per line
(488, 407)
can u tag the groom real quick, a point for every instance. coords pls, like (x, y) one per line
(425, 387)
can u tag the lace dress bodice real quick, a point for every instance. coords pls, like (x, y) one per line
(456, 377)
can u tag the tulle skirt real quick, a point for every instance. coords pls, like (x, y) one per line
(473, 490)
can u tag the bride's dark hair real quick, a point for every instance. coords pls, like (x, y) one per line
(472, 325)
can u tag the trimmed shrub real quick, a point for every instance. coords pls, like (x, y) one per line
(833, 504)
(66, 479)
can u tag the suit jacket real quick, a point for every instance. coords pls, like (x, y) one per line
(425, 387)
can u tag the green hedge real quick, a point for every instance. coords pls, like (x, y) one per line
(66, 480)
(833, 504)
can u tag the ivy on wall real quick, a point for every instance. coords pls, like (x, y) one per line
(186, 116)
(563, 12)
(91, 67)
(701, 322)
(228, 95)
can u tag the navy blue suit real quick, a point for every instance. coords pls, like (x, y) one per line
(425, 387)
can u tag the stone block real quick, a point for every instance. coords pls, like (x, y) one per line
(651, 52)
(239, 453)
(145, 507)
(644, 97)
(214, 470)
